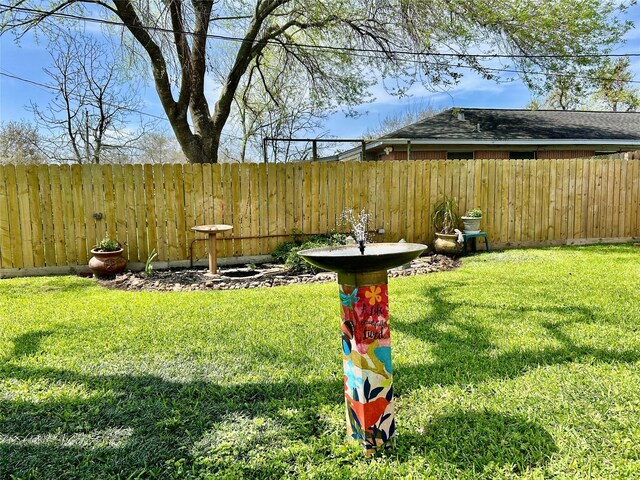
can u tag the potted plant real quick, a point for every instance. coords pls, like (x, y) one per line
(471, 220)
(445, 220)
(107, 258)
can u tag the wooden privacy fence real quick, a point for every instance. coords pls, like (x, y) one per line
(53, 215)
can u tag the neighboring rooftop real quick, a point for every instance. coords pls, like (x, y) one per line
(498, 124)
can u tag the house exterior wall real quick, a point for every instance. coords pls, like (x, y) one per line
(555, 154)
(491, 154)
(418, 153)
(415, 154)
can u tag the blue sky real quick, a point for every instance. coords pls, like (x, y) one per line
(29, 58)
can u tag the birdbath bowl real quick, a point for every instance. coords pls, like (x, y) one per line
(348, 259)
(366, 339)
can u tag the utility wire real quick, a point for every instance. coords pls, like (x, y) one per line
(361, 52)
(53, 88)
(132, 110)
(364, 52)
(70, 16)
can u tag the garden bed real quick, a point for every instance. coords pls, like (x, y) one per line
(265, 275)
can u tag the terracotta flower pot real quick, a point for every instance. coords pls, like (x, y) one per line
(447, 243)
(107, 264)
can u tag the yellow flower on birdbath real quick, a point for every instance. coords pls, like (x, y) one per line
(373, 294)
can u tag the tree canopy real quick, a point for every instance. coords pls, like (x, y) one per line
(20, 143)
(609, 87)
(336, 48)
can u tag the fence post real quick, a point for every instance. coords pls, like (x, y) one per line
(264, 149)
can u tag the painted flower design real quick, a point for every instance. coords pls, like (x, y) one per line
(353, 381)
(349, 299)
(373, 294)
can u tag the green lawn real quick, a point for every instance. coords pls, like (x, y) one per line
(523, 364)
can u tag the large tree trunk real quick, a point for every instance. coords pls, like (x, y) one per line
(199, 148)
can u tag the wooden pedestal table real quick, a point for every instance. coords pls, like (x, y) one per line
(212, 231)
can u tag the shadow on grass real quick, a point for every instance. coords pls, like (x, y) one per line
(464, 352)
(130, 426)
(121, 425)
(29, 343)
(124, 426)
(136, 425)
(471, 441)
(45, 285)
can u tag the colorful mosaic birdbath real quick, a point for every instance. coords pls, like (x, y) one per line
(366, 340)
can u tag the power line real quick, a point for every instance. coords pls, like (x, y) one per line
(70, 16)
(546, 74)
(132, 110)
(365, 52)
(362, 52)
(53, 88)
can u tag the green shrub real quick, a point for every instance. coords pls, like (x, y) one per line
(281, 253)
(474, 213)
(296, 263)
(107, 245)
(287, 252)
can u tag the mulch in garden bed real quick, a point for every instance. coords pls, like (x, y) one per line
(265, 275)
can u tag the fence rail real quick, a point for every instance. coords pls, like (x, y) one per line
(51, 215)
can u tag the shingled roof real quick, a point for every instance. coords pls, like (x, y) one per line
(492, 124)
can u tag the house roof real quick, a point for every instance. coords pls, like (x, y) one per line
(480, 124)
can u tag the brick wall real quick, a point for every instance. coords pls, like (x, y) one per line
(415, 155)
(491, 155)
(398, 154)
(553, 154)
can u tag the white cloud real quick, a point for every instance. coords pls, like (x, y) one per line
(470, 83)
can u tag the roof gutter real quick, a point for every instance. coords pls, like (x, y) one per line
(533, 141)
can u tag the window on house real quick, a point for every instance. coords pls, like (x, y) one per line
(522, 155)
(459, 155)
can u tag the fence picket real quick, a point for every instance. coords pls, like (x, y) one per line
(85, 225)
(74, 255)
(5, 225)
(109, 200)
(47, 212)
(58, 218)
(150, 204)
(35, 215)
(45, 202)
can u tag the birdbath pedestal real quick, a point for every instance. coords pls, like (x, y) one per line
(212, 231)
(366, 339)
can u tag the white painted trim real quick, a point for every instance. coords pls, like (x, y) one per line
(460, 143)
(541, 142)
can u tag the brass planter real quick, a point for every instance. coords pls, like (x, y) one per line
(447, 243)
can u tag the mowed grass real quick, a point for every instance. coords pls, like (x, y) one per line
(522, 364)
